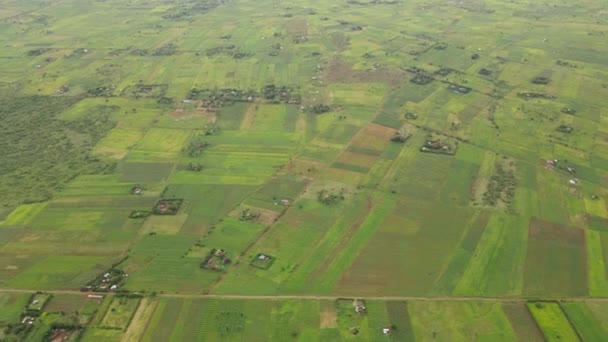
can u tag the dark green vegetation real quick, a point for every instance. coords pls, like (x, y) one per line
(40, 152)
(171, 155)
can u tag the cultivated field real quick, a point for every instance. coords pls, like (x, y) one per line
(260, 170)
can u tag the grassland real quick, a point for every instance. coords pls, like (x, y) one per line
(455, 153)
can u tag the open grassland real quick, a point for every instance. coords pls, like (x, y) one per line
(313, 148)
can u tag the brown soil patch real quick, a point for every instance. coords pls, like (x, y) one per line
(339, 71)
(199, 112)
(373, 136)
(297, 27)
(356, 159)
(379, 131)
(329, 318)
(303, 167)
(550, 231)
(522, 322)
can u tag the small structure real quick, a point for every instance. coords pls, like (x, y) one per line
(573, 181)
(485, 72)
(568, 110)
(167, 206)
(387, 331)
(110, 280)
(27, 320)
(540, 80)
(411, 116)
(262, 261)
(400, 137)
(360, 309)
(216, 260)
(565, 129)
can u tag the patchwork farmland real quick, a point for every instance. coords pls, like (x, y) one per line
(307, 170)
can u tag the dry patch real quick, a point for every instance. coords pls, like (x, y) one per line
(114, 153)
(201, 112)
(155, 72)
(139, 322)
(550, 231)
(373, 137)
(297, 27)
(340, 71)
(249, 117)
(329, 317)
(352, 178)
(304, 167)
(164, 224)
(357, 159)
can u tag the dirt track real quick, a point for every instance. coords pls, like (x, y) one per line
(333, 297)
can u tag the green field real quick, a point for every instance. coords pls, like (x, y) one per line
(255, 170)
(552, 321)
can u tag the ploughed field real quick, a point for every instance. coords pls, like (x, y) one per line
(303, 170)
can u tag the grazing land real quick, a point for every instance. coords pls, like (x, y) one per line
(303, 170)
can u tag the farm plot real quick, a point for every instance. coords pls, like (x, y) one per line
(390, 261)
(289, 241)
(54, 272)
(552, 321)
(587, 325)
(497, 265)
(156, 257)
(362, 148)
(206, 204)
(555, 263)
(177, 319)
(13, 305)
(522, 322)
(120, 313)
(459, 321)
